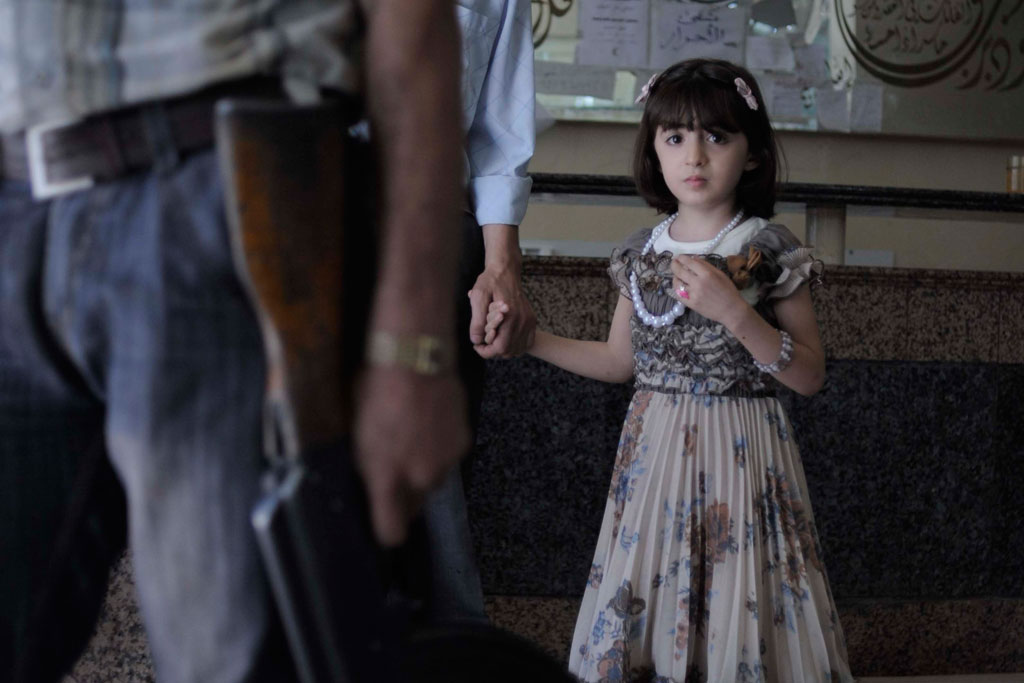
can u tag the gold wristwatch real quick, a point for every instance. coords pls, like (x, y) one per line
(424, 354)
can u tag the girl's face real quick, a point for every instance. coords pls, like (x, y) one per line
(702, 167)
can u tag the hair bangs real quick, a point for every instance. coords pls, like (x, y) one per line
(696, 102)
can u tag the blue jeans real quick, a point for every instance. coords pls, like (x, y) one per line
(124, 333)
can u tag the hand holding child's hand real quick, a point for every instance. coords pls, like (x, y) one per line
(705, 289)
(519, 322)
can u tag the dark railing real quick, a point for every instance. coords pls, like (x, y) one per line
(804, 193)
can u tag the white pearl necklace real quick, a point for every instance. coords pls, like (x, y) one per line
(677, 310)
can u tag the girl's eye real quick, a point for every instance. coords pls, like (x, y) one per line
(716, 138)
(674, 139)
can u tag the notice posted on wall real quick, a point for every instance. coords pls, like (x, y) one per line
(686, 30)
(613, 33)
(561, 78)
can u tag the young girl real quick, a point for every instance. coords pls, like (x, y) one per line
(708, 566)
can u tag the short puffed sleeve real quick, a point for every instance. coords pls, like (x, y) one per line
(623, 257)
(789, 262)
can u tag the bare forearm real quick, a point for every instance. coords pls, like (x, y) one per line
(501, 247)
(594, 359)
(805, 373)
(412, 77)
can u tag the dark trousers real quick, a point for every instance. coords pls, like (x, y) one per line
(456, 593)
(471, 365)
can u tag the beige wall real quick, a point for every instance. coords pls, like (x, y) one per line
(948, 243)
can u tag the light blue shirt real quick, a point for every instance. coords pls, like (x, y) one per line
(498, 102)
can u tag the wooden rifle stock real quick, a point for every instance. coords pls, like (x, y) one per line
(297, 206)
(300, 192)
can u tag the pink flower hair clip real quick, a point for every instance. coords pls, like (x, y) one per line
(744, 90)
(645, 91)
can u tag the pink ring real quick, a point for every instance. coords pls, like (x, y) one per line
(683, 294)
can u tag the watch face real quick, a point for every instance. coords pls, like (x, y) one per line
(424, 354)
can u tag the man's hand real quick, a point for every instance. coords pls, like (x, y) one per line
(515, 333)
(501, 282)
(410, 431)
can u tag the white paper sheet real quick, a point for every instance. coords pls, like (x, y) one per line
(811, 65)
(613, 33)
(866, 108)
(685, 30)
(770, 53)
(560, 78)
(784, 97)
(833, 109)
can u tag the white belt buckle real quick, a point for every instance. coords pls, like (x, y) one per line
(42, 188)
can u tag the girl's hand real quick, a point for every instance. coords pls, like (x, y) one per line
(495, 315)
(706, 289)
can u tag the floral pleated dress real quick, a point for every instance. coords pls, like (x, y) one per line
(708, 566)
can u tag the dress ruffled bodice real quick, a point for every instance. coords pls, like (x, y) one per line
(694, 354)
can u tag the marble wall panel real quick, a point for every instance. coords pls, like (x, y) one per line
(540, 475)
(1011, 327)
(906, 465)
(862, 320)
(918, 315)
(1008, 494)
(570, 296)
(945, 324)
(864, 313)
(904, 486)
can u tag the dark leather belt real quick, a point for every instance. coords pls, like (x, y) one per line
(63, 158)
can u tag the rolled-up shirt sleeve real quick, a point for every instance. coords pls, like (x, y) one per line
(500, 137)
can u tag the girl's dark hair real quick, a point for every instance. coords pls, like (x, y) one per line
(703, 91)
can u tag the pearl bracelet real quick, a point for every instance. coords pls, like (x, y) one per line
(784, 359)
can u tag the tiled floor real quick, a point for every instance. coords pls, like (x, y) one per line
(118, 652)
(549, 622)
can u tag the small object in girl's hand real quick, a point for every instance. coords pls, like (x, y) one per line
(741, 268)
(683, 294)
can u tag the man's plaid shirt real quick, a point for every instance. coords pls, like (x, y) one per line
(63, 59)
